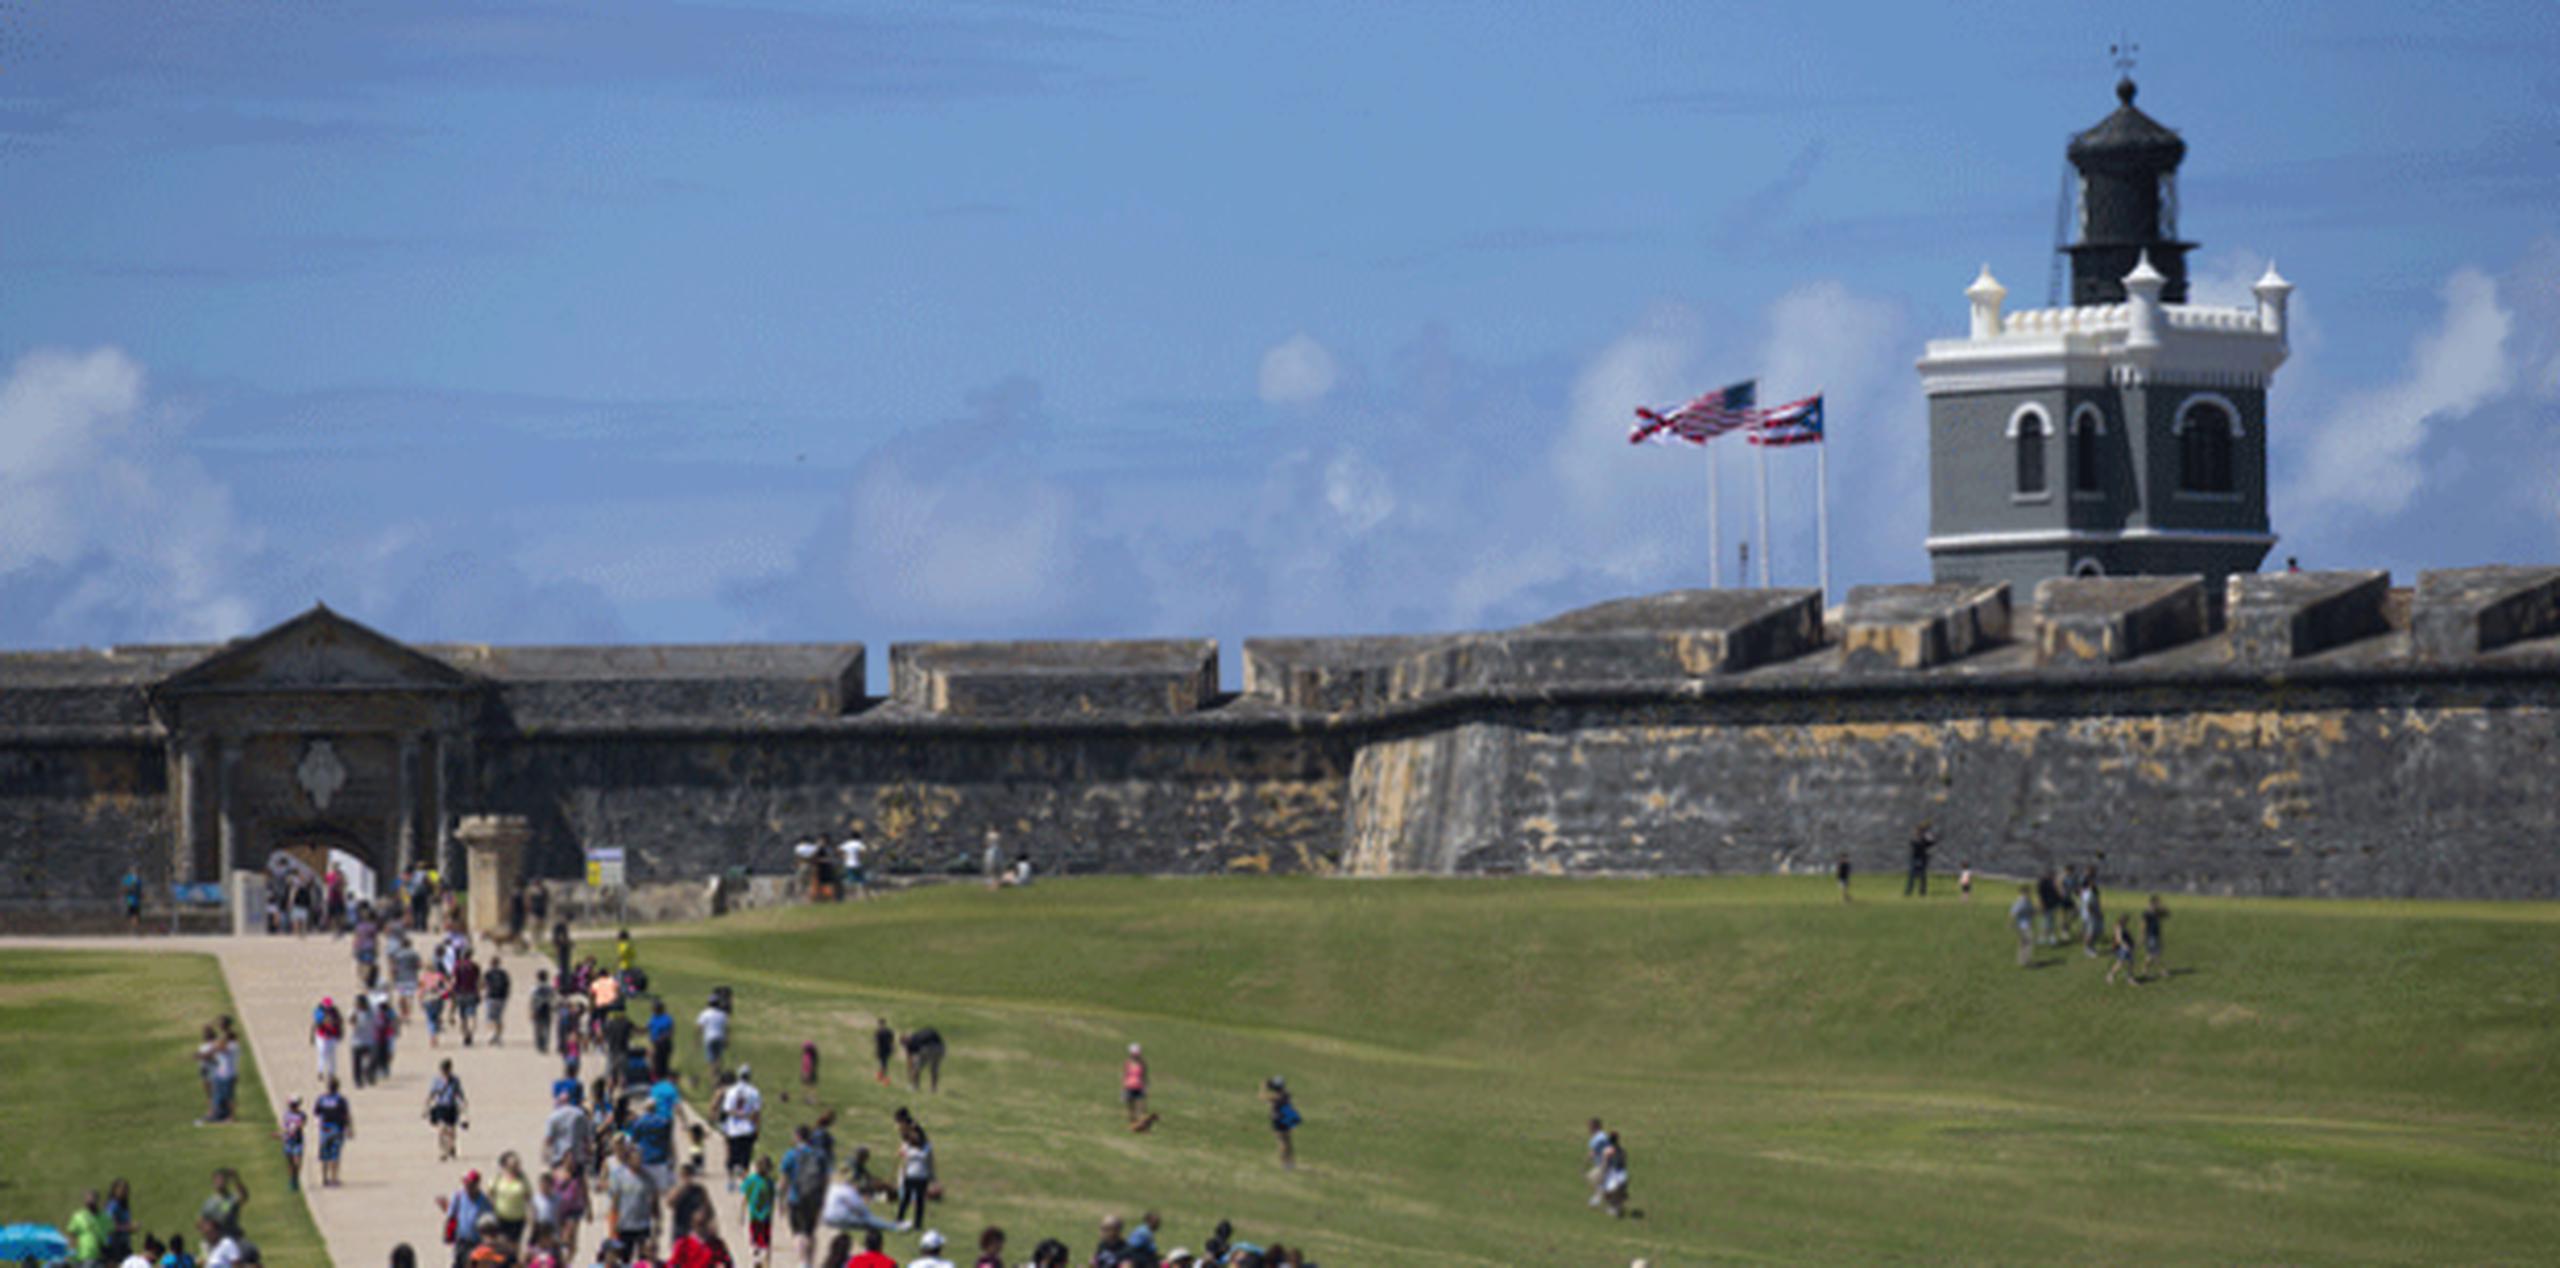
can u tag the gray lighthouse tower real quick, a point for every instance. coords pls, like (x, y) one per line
(2126, 433)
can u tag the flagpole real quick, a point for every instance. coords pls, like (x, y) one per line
(1763, 452)
(1715, 534)
(1822, 511)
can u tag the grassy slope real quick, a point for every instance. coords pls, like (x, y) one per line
(97, 1080)
(1797, 1080)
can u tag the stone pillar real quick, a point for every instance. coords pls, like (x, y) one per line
(435, 780)
(405, 838)
(185, 857)
(226, 755)
(496, 846)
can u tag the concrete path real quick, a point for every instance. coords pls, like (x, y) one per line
(391, 1174)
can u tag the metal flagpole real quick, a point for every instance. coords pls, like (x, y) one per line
(1715, 534)
(1822, 511)
(1763, 452)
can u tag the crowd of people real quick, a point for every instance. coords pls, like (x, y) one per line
(102, 1232)
(2072, 908)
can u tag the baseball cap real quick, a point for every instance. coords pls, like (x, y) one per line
(470, 1178)
(932, 1240)
(746, 1071)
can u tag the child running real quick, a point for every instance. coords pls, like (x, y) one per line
(2123, 953)
(756, 1200)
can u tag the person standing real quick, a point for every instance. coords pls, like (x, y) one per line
(634, 1198)
(366, 1030)
(337, 1126)
(1284, 1119)
(1595, 1149)
(1923, 840)
(404, 958)
(1964, 881)
(1133, 1088)
(857, 880)
(2123, 958)
(2093, 912)
(1840, 872)
(511, 1196)
(741, 1110)
(884, 1044)
(463, 1213)
(568, 1135)
(1613, 1177)
(915, 1172)
(224, 1075)
(561, 947)
(132, 886)
(367, 948)
(222, 1210)
(86, 1230)
(497, 984)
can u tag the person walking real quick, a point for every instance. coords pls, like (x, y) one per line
(755, 1208)
(1284, 1119)
(328, 1026)
(465, 990)
(2093, 913)
(511, 1197)
(404, 959)
(1923, 840)
(662, 1040)
(1595, 1150)
(538, 1006)
(366, 1031)
(1613, 1177)
(924, 1056)
(804, 1180)
(466, 1212)
(711, 1026)
(496, 985)
(2022, 914)
(1133, 1089)
(741, 1110)
(446, 1104)
(337, 1126)
(2152, 918)
(884, 1044)
(290, 1134)
(2123, 959)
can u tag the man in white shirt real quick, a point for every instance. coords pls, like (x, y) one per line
(856, 881)
(713, 1025)
(741, 1118)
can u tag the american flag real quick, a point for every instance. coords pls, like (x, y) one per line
(1794, 423)
(1712, 415)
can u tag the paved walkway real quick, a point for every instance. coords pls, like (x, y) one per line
(391, 1174)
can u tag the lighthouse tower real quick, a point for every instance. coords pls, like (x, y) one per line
(2123, 434)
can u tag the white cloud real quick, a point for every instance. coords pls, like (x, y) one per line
(2366, 455)
(1297, 371)
(106, 526)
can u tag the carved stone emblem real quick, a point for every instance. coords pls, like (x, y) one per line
(321, 773)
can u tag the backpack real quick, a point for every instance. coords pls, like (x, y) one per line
(1288, 1115)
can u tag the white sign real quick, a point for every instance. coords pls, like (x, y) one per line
(604, 867)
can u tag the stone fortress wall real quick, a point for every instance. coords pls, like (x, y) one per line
(2291, 734)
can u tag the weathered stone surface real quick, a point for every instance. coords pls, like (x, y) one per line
(2460, 613)
(1657, 638)
(1137, 678)
(1336, 675)
(553, 686)
(1921, 626)
(2105, 620)
(2278, 617)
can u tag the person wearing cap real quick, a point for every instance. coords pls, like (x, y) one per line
(741, 1110)
(1133, 1086)
(1284, 1118)
(464, 1212)
(931, 1245)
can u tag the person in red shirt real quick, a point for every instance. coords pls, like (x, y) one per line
(871, 1256)
(1133, 1089)
(701, 1246)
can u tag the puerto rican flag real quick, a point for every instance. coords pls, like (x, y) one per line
(1725, 409)
(1794, 423)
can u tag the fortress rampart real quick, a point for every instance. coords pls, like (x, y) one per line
(2304, 734)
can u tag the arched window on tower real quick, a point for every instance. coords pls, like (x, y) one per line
(2208, 432)
(2087, 426)
(2028, 429)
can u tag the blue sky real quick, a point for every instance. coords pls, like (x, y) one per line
(662, 321)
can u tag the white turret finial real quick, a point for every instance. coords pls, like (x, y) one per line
(2273, 293)
(1986, 294)
(2142, 292)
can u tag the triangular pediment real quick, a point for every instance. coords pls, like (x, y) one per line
(316, 651)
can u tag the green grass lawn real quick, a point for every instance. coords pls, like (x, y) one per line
(1796, 1080)
(98, 1080)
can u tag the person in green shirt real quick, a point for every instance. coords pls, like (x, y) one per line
(88, 1231)
(757, 1193)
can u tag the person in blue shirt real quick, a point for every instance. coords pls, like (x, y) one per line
(662, 1040)
(655, 1134)
(133, 901)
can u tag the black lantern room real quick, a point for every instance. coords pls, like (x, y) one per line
(2128, 168)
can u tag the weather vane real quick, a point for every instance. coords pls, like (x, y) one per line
(2124, 51)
